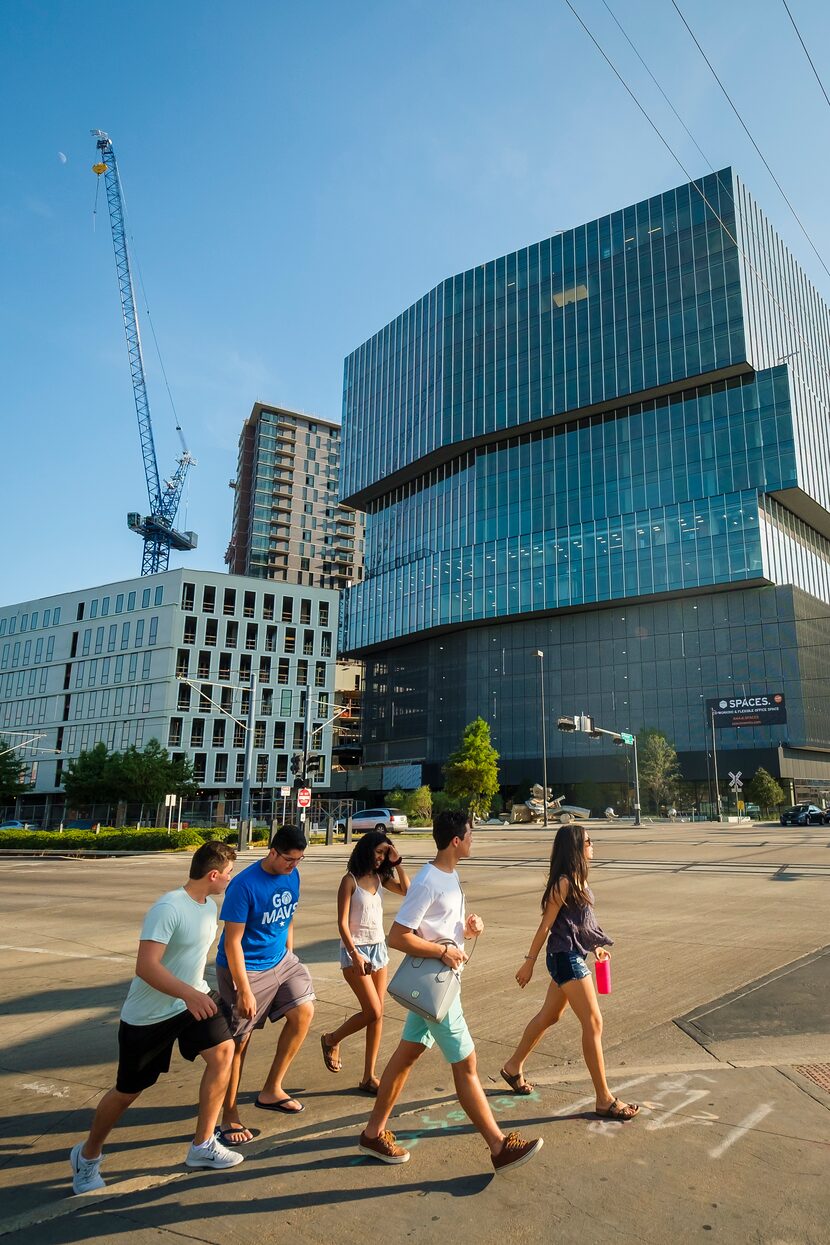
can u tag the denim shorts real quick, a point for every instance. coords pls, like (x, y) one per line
(375, 952)
(566, 966)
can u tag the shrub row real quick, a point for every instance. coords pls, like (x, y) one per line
(108, 840)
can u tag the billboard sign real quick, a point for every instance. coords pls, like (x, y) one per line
(761, 709)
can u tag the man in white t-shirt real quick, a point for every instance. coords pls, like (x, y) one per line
(433, 911)
(169, 1002)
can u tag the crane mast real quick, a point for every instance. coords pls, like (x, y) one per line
(157, 528)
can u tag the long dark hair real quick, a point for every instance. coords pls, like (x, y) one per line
(567, 860)
(362, 859)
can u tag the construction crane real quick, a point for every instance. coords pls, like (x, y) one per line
(157, 527)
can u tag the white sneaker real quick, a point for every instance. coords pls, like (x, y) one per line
(213, 1154)
(86, 1173)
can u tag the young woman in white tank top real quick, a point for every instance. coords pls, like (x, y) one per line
(374, 864)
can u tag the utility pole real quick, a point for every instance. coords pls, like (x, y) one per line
(245, 810)
(306, 748)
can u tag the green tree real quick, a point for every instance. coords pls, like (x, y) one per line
(150, 775)
(658, 765)
(763, 790)
(472, 771)
(12, 773)
(94, 777)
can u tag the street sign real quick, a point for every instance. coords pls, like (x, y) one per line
(626, 738)
(303, 797)
(233, 823)
(762, 709)
(735, 781)
(285, 792)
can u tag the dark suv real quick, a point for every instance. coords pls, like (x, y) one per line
(805, 815)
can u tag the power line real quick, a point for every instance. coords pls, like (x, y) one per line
(822, 367)
(806, 53)
(745, 128)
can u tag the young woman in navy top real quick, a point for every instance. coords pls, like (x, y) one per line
(572, 933)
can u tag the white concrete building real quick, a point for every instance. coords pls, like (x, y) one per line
(105, 664)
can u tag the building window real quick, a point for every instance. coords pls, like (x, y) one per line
(203, 668)
(325, 644)
(219, 732)
(184, 696)
(231, 634)
(205, 698)
(208, 599)
(197, 732)
(251, 636)
(211, 631)
(279, 735)
(139, 632)
(224, 667)
(130, 601)
(229, 601)
(288, 609)
(240, 768)
(323, 613)
(238, 735)
(119, 603)
(290, 645)
(299, 731)
(220, 767)
(249, 608)
(286, 699)
(154, 630)
(112, 637)
(158, 597)
(199, 766)
(188, 597)
(302, 672)
(145, 598)
(268, 607)
(282, 670)
(125, 635)
(174, 733)
(305, 610)
(320, 674)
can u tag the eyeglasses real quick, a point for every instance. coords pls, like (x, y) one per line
(295, 860)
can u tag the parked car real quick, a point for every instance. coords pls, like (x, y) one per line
(14, 825)
(391, 820)
(805, 815)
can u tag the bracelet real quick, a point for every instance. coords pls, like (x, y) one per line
(530, 957)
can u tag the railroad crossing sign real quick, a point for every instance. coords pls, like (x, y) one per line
(735, 781)
(304, 797)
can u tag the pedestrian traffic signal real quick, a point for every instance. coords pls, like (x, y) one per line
(566, 724)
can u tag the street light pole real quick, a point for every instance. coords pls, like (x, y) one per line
(715, 767)
(636, 785)
(541, 655)
(245, 810)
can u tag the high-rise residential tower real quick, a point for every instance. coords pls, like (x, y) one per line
(611, 447)
(288, 523)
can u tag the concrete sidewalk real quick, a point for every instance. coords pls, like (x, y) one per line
(720, 974)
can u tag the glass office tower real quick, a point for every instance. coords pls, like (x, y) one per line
(612, 446)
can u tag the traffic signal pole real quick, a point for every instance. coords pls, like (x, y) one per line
(581, 722)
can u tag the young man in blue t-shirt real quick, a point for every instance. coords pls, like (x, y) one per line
(259, 976)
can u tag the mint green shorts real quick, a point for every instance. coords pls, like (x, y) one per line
(450, 1034)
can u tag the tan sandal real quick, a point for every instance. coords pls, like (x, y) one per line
(517, 1083)
(621, 1111)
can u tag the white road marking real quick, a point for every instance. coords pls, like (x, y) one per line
(66, 955)
(740, 1130)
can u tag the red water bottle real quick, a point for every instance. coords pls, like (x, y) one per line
(602, 968)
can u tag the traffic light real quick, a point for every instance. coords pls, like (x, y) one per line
(296, 763)
(315, 763)
(567, 724)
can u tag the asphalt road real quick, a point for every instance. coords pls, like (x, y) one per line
(718, 1025)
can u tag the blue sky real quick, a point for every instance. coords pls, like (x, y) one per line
(297, 174)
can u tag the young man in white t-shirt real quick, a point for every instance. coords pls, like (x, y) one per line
(169, 1002)
(433, 910)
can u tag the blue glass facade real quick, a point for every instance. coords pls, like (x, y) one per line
(627, 411)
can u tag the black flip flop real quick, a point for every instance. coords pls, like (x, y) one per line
(279, 1106)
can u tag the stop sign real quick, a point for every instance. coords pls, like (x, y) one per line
(304, 797)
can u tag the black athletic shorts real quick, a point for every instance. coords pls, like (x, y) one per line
(144, 1050)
